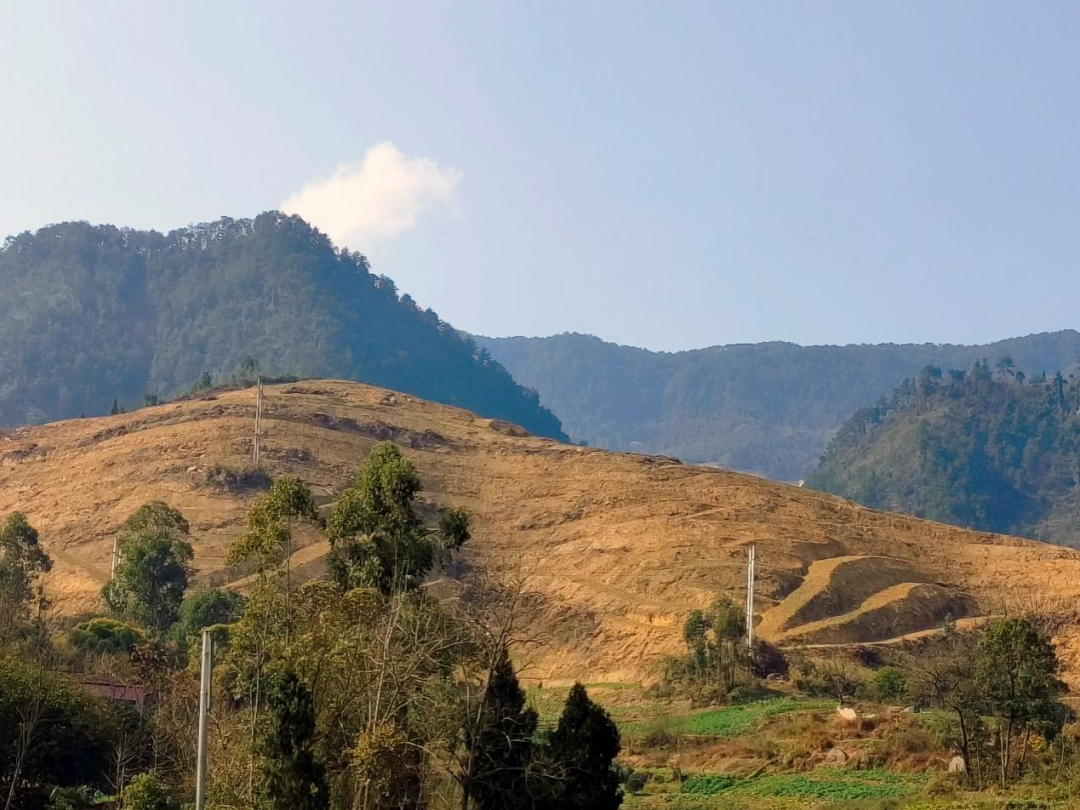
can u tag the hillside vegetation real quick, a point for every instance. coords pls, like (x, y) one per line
(367, 588)
(95, 314)
(767, 408)
(616, 550)
(987, 448)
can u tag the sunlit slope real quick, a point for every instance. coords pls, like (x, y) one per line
(617, 548)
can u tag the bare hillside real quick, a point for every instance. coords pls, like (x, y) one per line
(619, 547)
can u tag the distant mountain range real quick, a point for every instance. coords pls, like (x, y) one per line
(987, 448)
(767, 408)
(90, 315)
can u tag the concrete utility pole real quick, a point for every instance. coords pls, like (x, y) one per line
(750, 571)
(257, 449)
(204, 718)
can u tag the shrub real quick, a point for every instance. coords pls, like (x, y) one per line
(148, 792)
(238, 481)
(910, 738)
(208, 607)
(636, 781)
(105, 635)
(890, 684)
(768, 660)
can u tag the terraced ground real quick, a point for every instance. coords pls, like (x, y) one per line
(616, 548)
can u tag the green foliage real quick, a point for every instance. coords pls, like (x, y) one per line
(1016, 674)
(732, 721)
(22, 561)
(54, 733)
(501, 743)
(707, 784)
(105, 635)
(583, 747)
(768, 408)
(155, 517)
(76, 798)
(717, 655)
(268, 536)
(208, 607)
(378, 539)
(150, 580)
(829, 784)
(148, 791)
(890, 684)
(119, 312)
(292, 779)
(980, 450)
(454, 527)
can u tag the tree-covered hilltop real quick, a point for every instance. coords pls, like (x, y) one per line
(93, 314)
(988, 448)
(767, 408)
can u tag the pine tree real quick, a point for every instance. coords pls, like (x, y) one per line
(115, 407)
(292, 779)
(501, 743)
(583, 748)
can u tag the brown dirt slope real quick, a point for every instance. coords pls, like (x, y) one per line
(619, 547)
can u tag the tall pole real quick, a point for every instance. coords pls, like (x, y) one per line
(204, 718)
(751, 563)
(257, 450)
(115, 554)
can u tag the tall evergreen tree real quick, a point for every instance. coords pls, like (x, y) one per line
(583, 748)
(292, 779)
(500, 744)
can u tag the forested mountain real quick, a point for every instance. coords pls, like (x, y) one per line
(767, 408)
(90, 314)
(987, 448)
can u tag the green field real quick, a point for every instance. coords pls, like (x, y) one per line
(729, 721)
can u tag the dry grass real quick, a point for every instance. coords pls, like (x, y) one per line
(619, 547)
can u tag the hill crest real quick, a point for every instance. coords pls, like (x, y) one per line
(618, 548)
(96, 314)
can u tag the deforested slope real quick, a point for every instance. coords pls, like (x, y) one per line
(615, 548)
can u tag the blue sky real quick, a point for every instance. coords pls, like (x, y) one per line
(668, 175)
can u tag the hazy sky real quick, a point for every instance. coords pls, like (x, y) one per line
(664, 174)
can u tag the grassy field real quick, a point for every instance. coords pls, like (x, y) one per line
(728, 721)
(731, 731)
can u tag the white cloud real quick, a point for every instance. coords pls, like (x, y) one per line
(377, 198)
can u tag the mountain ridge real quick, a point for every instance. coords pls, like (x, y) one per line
(95, 314)
(982, 448)
(765, 408)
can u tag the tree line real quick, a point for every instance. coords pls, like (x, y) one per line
(767, 408)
